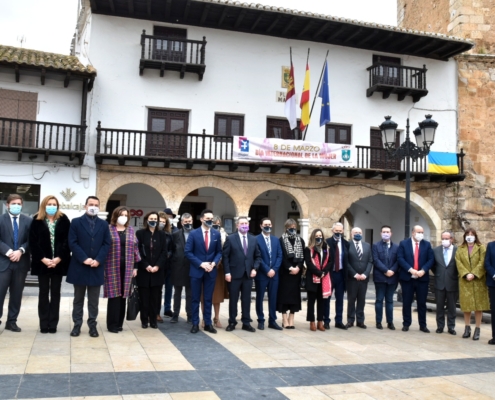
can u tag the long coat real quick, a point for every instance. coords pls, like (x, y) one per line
(179, 261)
(473, 295)
(41, 246)
(289, 289)
(157, 257)
(113, 284)
(312, 269)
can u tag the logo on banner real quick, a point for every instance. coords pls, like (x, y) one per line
(244, 144)
(346, 155)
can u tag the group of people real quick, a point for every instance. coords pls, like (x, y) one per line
(211, 266)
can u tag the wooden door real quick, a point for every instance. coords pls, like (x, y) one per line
(280, 129)
(169, 50)
(387, 74)
(379, 158)
(257, 213)
(165, 142)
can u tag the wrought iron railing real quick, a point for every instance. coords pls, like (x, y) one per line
(382, 73)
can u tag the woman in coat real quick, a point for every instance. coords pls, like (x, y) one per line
(150, 278)
(473, 292)
(318, 284)
(49, 242)
(120, 267)
(289, 289)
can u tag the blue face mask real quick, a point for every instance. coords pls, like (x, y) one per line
(208, 223)
(151, 224)
(267, 229)
(358, 237)
(15, 209)
(51, 210)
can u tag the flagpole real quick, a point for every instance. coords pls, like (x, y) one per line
(316, 93)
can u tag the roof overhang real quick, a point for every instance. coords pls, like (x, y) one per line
(288, 24)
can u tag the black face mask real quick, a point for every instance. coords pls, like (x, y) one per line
(337, 235)
(152, 224)
(216, 227)
(267, 229)
(208, 223)
(187, 227)
(318, 240)
(291, 231)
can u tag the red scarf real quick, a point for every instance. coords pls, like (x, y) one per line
(326, 284)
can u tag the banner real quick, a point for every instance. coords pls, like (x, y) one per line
(293, 151)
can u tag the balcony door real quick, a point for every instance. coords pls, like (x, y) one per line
(170, 50)
(387, 74)
(280, 129)
(166, 142)
(379, 159)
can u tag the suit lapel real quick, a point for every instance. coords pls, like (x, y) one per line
(8, 222)
(85, 224)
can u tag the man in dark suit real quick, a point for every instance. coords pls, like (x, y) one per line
(180, 268)
(385, 276)
(339, 255)
(14, 258)
(446, 282)
(267, 275)
(89, 241)
(415, 260)
(358, 276)
(241, 260)
(204, 251)
(490, 282)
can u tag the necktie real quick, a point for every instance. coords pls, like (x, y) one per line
(244, 244)
(16, 234)
(386, 252)
(416, 257)
(359, 253)
(337, 258)
(206, 240)
(269, 247)
(446, 255)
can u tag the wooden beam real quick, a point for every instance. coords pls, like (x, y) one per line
(189, 164)
(186, 10)
(206, 10)
(437, 50)
(272, 25)
(255, 23)
(383, 40)
(168, 9)
(212, 165)
(391, 46)
(254, 167)
(224, 14)
(130, 6)
(19, 155)
(353, 174)
(289, 25)
(17, 73)
(239, 19)
(295, 170)
(148, 7)
(449, 54)
(420, 177)
(350, 37)
(334, 171)
(112, 6)
(322, 29)
(402, 96)
(316, 171)
(371, 174)
(182, 71)
(166, 163)
(43, 75)
(47, 155)
(335, 33)
(121, 160)
(305, 29)
(162, 69)
(415, 44)
(233, 167)
(368, 38)
(438, 178)
(275, 168)
(67, 79)
(93, 4)
(144, 161)
(388, 175)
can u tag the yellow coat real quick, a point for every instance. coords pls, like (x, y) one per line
(473, 295)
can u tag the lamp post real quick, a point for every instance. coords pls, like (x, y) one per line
(425, 137)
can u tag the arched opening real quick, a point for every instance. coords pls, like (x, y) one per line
(277, 205)
(214, 199)
(139, 198)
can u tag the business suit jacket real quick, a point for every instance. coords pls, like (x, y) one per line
(7, 241)
(359, 266)
(41, 246)
(179, 262)
(266, 264)
(196, 253)
(235, 262)
(446, 277)
(490, 264)
(155, 258)
(86, 243)
(383, 263)
(332, 244)
(406, 259)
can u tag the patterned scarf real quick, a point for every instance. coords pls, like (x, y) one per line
(51, 228)
(326, 284)
(295, 252)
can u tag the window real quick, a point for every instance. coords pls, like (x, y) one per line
(166, 123)
(169, 50)
(338, 134)
(19, 105)
(30, 195)
(379, 157)
(280, 129)
(229, 125)
(387, 74)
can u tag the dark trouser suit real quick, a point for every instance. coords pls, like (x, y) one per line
(320, 301)
(491, 291)
(49, 300)
(338, 289)
(13, 279)
(356, 300)
(408, 289)
(441, 297)
(261, 286)
(243, 287)
(78, 305)
(149, 303)
(178, 300)
(207, 283)
(384, 291)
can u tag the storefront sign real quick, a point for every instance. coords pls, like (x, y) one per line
(68, 194)
(293, 151)
(70, 206)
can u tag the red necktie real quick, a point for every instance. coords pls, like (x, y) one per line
(416, 257)
(206, 240)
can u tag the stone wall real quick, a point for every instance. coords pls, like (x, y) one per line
(423, 15)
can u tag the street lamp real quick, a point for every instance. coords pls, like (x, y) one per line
(425, 137)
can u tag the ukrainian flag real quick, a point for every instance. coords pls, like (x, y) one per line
(442, 163)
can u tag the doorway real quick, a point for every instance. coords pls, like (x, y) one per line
(257, 213)
(194, 209)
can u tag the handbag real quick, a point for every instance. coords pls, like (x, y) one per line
(133, 302)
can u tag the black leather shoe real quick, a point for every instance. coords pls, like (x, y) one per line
(76, 331)
(144, 326)
(113, 330)
(405, 328)
(326, 326)
(189, 320)
(476, 334)
(210, 328)
(424, 329)
(261, 326)
(379, 326)
(248, 328)
(195, 329)
(361, 325)
(340, 325)
(120, 329)
(93, 332)
(467, 332)
(52, 330)
(349, 325)
(439, 330)
(174, 319)
(491, 341)
(12, 326)
(274, 325)
(168, 314)
(44, 330)
(230, 327)
(154, 326)
(391, 326)
(452, 332)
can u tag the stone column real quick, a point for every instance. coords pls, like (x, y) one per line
(304, 228)
(103, 215)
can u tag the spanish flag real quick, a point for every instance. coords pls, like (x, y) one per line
(304, 104)
(442, 163)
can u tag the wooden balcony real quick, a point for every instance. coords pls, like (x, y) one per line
(172, 54)
(397, 79)
(44, 138)
(202, 151)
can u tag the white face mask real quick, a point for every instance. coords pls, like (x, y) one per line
(419, 236)
(93, 210)
(122, 220)
(470, 239)
(446, 243)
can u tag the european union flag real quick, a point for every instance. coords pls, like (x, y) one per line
(325, 97)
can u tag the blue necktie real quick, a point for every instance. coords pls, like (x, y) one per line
(446, 256)
(16, 234)
(269, 247)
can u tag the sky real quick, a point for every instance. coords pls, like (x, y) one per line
(49, 25)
